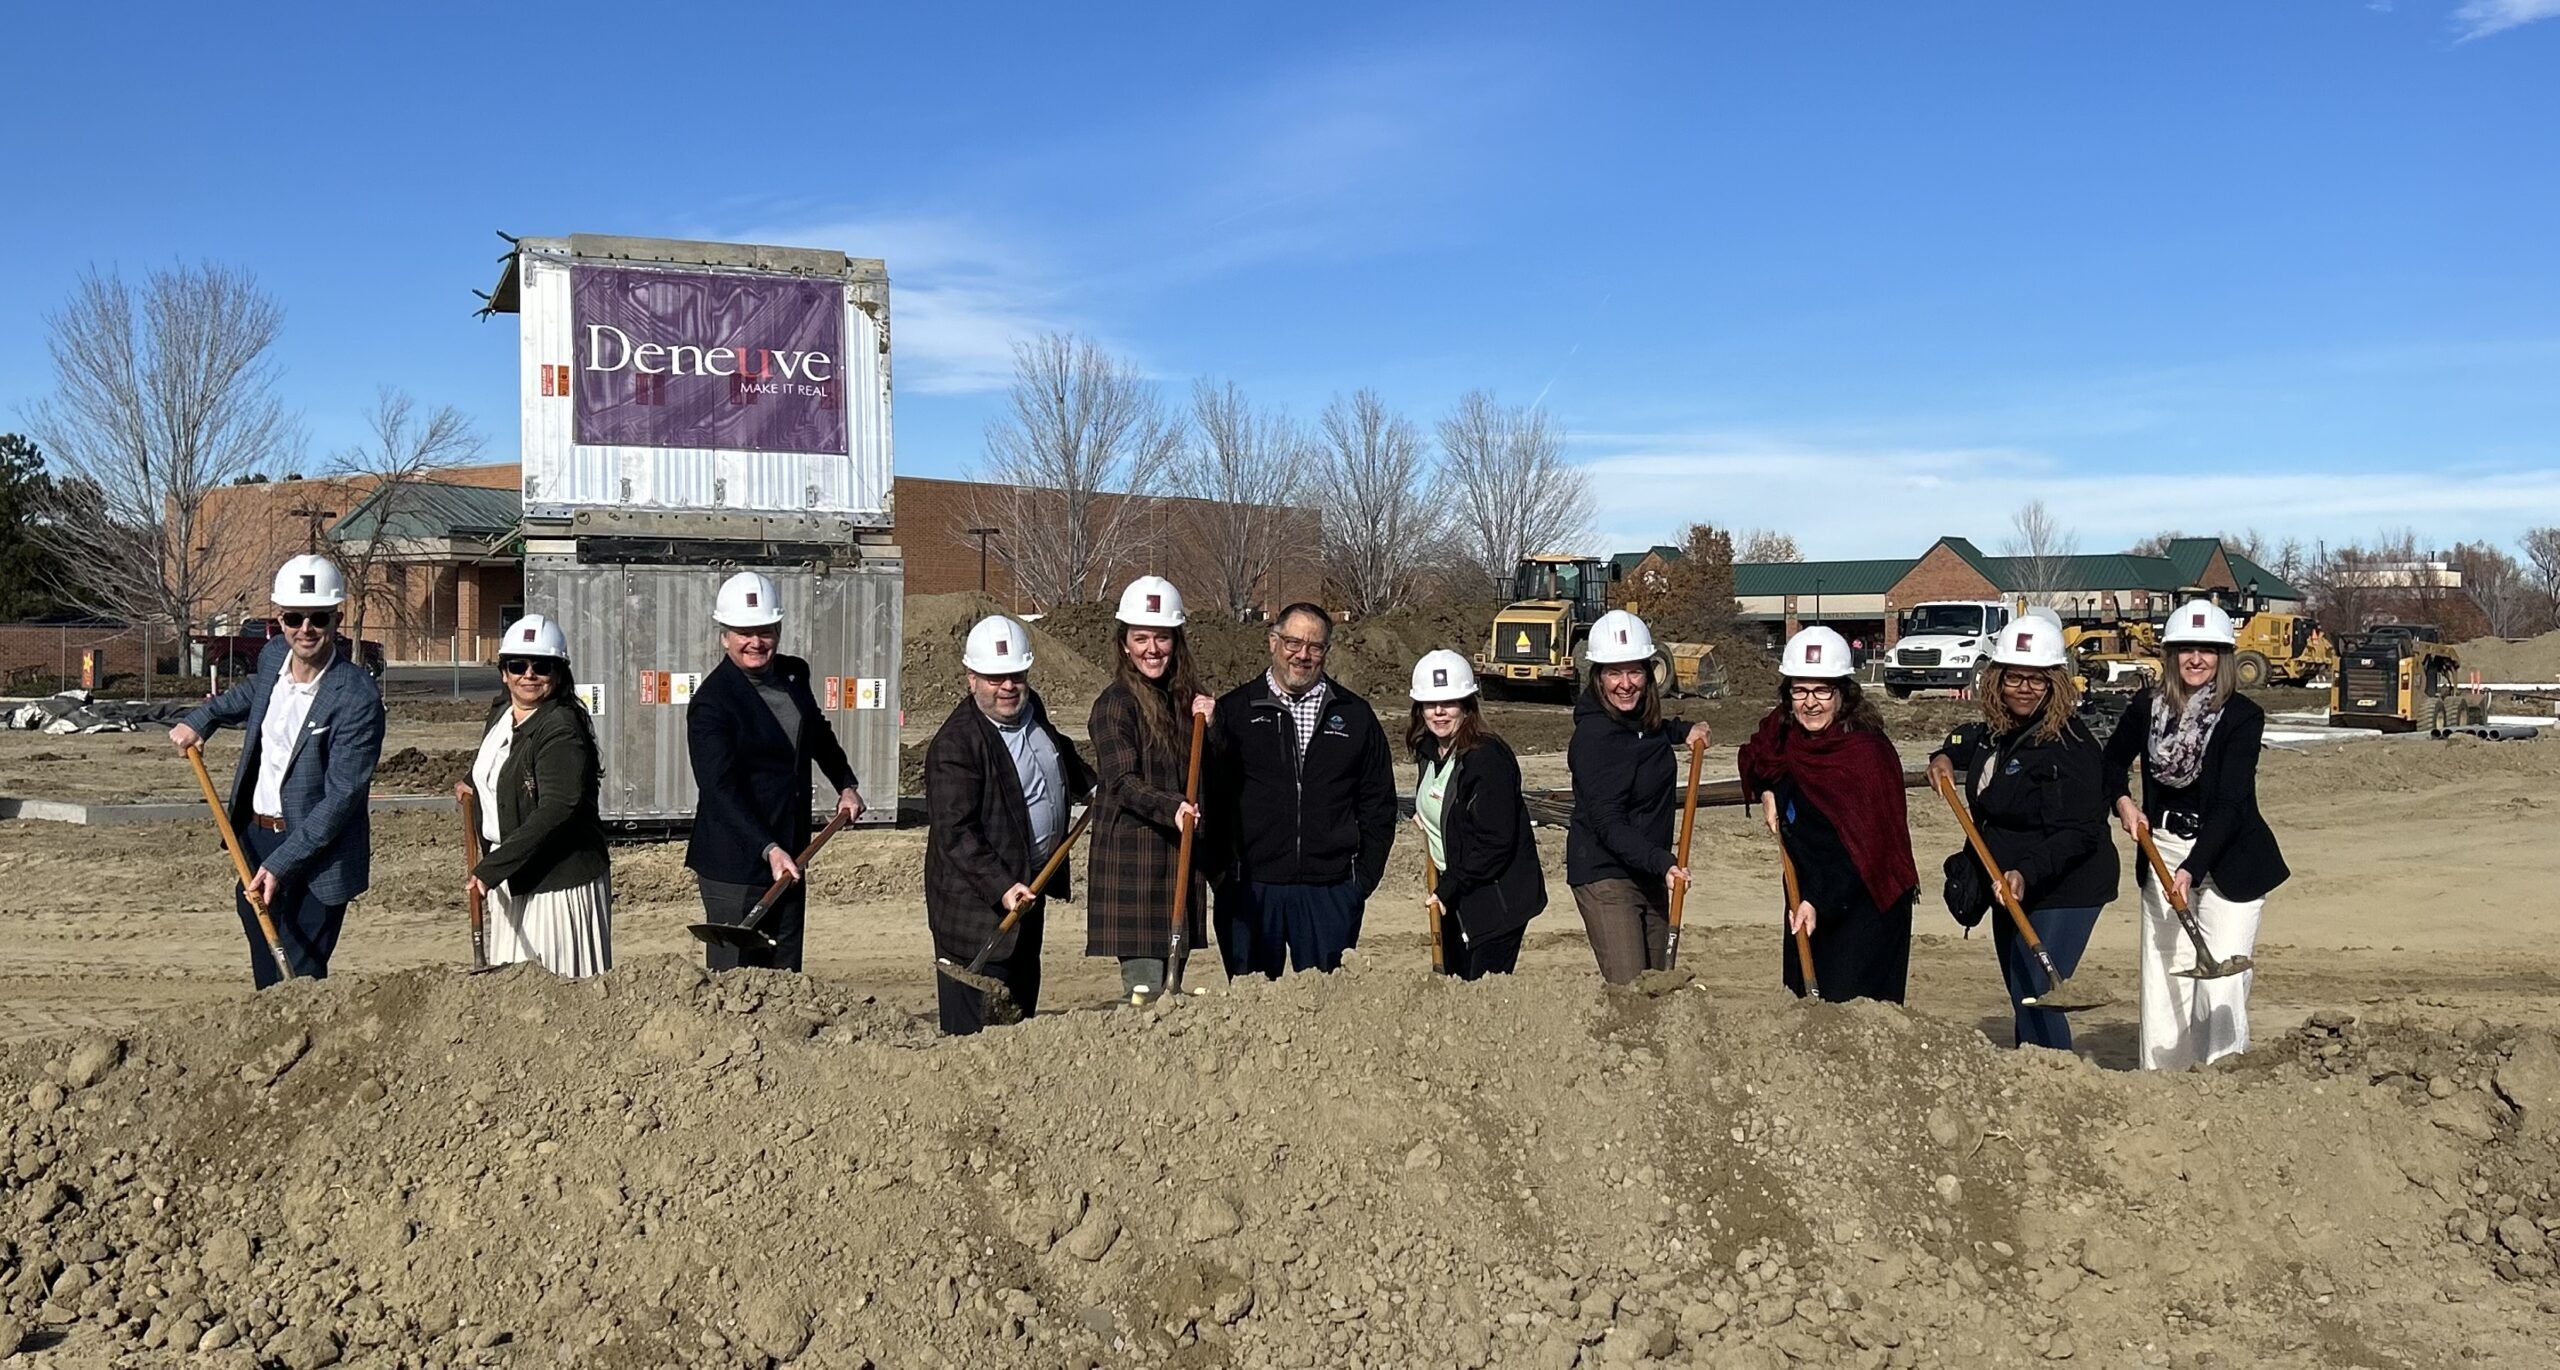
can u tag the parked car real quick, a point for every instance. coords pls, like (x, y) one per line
(235, 652)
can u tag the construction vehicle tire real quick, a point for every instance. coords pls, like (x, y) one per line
(1897, 691)
(2253, 670)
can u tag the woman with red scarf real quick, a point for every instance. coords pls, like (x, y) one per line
(1830, 787)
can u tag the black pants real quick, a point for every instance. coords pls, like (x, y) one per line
(964, 1010)
(726, 903)
(308, 928)
(1858, 953)
(1266, 929)
(1487, 956)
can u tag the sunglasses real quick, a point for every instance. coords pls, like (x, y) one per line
(295, 619)
(530, 665)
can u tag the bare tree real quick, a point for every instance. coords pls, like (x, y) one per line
(2499, 584)
(2039, 549)
(1763, 545)
(1244, 467)
(1507, 488)
(1379, 520)
(1083, 445)
(163, 392)
(2541, 547)
(404, 449)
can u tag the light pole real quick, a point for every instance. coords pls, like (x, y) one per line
(982, 534)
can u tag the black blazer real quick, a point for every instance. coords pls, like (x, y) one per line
(979, 842)
(754, 782)
(2042, 811)
(2234, 847)
(550, 836)
(1493, 882)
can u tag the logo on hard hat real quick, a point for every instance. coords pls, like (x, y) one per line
(311, 585)
(1155, 604)
(1004, 646)
(1440, 677)
(528, 635)
(1812, 655)
(751, 599)
(1622, 637)
(2195, 620)
(2022, 640)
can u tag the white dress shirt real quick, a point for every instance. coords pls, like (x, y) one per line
(287, 709)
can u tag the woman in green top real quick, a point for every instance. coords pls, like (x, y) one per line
(545, 875)
(1474, 822)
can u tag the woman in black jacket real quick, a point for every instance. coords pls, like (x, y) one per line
(2197, 737)
(2031, 776)
(545, 876)
(1617, 853)
(1474, 821)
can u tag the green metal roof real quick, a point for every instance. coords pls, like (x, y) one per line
(1628, 561)
(1804, 578)
(409, 510)
(2104, 571)
(2270, 584)
(2190, 556)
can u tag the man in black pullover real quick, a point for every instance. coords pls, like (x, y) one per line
(1303, 805)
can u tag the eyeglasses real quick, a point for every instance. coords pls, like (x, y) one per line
(321, 618)
(1298, 646)
(1813, 693)
(2033, 684)
(530, 665)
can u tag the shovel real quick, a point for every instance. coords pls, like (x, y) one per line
(2208, 966)
(240, 863)
(1182, 861)
(995, 994)
(2060, 994)
(469, 801)
(750, 934)
(1431, 891)
(1688, 824)
(1804, 940)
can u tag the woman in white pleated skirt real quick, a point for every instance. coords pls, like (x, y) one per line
(546, 877)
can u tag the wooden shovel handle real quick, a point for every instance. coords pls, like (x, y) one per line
(1047, 869)
(1431, 888)
(1191, 796)
(1688, 826)
(240, 863)
(469, 800)
(2159, 868)
(1946, 787)
(1795, 897)
(807, 854)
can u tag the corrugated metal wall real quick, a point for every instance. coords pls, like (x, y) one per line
(560, 474)
(642, 636)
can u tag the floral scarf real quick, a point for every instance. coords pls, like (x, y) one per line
(2177, 741)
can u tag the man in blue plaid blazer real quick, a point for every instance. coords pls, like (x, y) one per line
(299, 798)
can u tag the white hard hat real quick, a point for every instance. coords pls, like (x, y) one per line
(1442, 676)
(1817, 653)
(2199, 622)
(2034, 640)
(997, 646)
(310, 582)
(534, 635)
(1620, 636)
(1151, 602)
(747, 600)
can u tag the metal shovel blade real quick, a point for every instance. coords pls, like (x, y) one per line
(2216, 970)
(995, 997)
(2066, 997)
(738, 935)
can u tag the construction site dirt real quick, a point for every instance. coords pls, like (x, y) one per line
(407, 1166)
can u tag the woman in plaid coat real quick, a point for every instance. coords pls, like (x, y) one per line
(1141, 731)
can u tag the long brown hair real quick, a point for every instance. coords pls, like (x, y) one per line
(2060, 702)
(1853, 712)
(1472, 730)
(1647, 715)
(2173, 688)
(1160, 702)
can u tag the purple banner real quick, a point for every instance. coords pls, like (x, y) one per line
(682, 359)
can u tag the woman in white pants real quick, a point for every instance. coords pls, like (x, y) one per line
(2197, 737)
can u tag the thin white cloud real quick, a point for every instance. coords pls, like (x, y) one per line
(2480, 18)
(1846, 502)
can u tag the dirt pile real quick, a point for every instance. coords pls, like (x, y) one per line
(1369, 1169)
(415, 770)
(2535, 660)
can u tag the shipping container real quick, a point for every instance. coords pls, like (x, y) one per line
(641, 638)
(691, 378)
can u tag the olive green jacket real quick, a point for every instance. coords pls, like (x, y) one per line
(550, 837)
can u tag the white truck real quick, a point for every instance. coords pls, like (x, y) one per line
(1940, 643)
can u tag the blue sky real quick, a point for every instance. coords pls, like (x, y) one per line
(1868, 272)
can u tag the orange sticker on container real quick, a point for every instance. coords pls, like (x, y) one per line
(648, 687)
(835, 693)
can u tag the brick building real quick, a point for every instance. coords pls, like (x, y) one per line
(1866, 599)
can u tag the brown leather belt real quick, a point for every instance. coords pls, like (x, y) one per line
(270, 824)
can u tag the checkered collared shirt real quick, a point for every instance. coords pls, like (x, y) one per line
(1306, 710)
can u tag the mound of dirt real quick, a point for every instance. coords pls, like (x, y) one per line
(1369, 1169)
(2535, 660)
(414, 770)
(2416, 763)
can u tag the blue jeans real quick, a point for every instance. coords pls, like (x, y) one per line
(2065, 934)
(307, 927)
(1261, 927)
